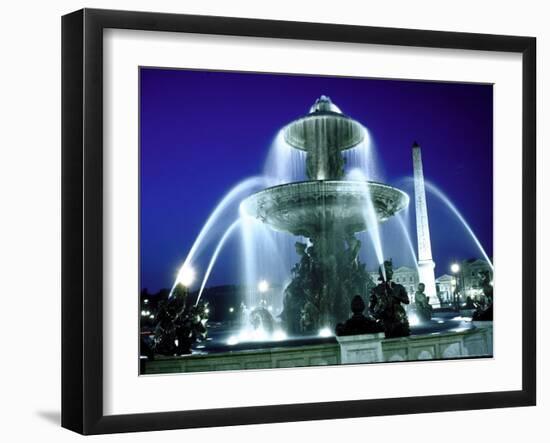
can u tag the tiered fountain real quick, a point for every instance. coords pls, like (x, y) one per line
(328, 210)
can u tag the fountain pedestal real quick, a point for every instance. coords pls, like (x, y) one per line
(327, 210)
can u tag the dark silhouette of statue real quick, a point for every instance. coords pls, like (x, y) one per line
(261, 318)
(469, 303)
(179, 324)
(309, 318)
(386, 303)
(422, 304)
(484, 308)
(359, 323)
(325, 279)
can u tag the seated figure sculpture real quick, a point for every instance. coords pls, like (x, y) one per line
(484, 311)
(359, 323)
(179, 324)
(385, 304)
(422, 304)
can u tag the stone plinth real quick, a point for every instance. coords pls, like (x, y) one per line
(486, 328)
(361, 348)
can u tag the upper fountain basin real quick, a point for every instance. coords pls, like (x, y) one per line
(310, 207)
(324, 128)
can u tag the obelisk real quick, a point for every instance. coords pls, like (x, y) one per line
(426, 264)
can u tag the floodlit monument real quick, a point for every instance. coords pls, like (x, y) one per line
(327, 209)
(426, 264)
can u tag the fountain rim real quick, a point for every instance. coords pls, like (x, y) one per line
(298, 183)
(374, 182)
(252, 205)
(320, 114)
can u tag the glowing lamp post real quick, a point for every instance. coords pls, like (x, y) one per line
(263, 286)
(186, 276)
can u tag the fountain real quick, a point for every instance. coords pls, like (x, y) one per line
(328, 209)
(307, 225)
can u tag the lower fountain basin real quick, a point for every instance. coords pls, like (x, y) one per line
(306, 208)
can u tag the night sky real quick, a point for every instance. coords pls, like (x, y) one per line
(202, 132)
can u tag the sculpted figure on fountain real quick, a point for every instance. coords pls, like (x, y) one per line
(179, 324)
(422, 303)
(324, 281)
(484, 308)
(386, 304)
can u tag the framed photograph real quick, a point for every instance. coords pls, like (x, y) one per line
(269, 221)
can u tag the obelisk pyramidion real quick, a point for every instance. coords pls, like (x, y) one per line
(426, 264)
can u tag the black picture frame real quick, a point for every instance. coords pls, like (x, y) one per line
(82, 219)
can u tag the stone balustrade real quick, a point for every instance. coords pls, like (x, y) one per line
(368, 348)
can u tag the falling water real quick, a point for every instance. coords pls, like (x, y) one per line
(214, 257)
(247, 254)
(404, 224)
(369, 213)
(363, 157)
(234, 196)
(284, 164)
(265, 257)
(441, 195)
(435, 191)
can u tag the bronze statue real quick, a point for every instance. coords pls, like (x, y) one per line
(385, 303)
(359, 323)
(308, 319)
(484, 309)
(422, 304)
(261, 318)
(325, 279)
(179, 324)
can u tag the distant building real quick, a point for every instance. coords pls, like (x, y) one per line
(445, 287)
(467, 279)
(469, 276)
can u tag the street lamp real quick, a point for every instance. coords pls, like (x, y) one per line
(186, 276)
(263, 286)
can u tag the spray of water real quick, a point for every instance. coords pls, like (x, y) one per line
(363, 157)
(401, 218)
(284, 164)
(264, 257)
(436, 192)
(232, 197)
(441, 195)
(247, 259)
(371, 219)
(214, 257)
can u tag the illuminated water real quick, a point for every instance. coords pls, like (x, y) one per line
(434, 190)
(284, 164)
(232, 198)
(403, 221)
(369, 213)
(214, 257)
